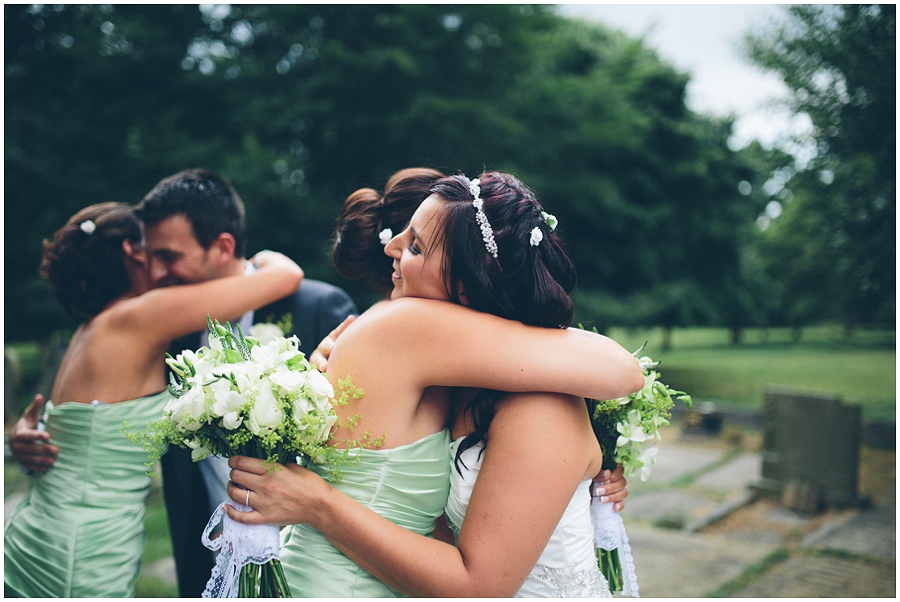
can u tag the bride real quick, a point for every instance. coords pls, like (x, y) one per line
(79, 531)
(526, 515)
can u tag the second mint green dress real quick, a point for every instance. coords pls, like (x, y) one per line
(407, 485)
(79, 531)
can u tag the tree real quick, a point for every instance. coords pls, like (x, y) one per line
(646, 190)
(300, 104)
(839, 61)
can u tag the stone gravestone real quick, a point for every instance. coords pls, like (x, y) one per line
(811, 449)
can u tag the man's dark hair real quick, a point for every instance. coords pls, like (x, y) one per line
(205, 198)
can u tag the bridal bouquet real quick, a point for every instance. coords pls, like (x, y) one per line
(628, 429)
(240, 396)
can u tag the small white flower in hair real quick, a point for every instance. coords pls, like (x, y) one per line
(88, 227)
(385, 236)
(536, 236)
(550, 220)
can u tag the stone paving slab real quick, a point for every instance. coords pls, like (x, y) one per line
(806, 576)
(674, 461)
(672, 505)
(871, 532)
(677, 564)
(734, 476)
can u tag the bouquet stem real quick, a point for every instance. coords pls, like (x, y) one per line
(265, 580)
(611, 567)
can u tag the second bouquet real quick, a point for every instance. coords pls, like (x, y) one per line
(249, 396)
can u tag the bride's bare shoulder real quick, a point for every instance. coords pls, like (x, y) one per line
(413, 308)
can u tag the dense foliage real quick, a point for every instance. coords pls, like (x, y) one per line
(832, 252)
(298, 105)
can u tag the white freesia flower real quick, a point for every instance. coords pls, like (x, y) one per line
(319, 387)
(273, 354)
(265, 332)
(227, 402)
(232, 420)
(325, 430)
(189, 410)
(288, 381)
(302, 408)
(198, 450)
(88, 227)
(646, 458)
(550, 220)
(385, 236)
(536, 236)
(266, 412)
(631, 430)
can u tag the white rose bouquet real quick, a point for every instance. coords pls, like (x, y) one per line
(628, 429)
(240, 396)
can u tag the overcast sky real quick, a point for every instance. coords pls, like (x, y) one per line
(703, 40)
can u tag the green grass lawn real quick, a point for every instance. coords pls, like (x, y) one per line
(861, 369)
(701, 361)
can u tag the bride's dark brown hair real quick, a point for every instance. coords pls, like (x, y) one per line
(529, 283)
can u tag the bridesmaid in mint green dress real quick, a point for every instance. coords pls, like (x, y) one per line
(79, 530)
(406, 355)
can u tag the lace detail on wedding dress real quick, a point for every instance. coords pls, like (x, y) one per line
(453, 528)
(573, 583)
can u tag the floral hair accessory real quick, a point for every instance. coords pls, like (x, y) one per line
(536, 236)
(385, 236)
(487, 233)
(88, 227)
(550, 220)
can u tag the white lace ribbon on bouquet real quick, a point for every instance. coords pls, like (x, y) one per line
(609, 534)
(238, 546)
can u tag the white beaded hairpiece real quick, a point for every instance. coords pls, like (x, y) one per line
(487, 233)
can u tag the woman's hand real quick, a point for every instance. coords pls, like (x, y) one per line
(285, 495)
(28, 444)
(319, 357)
(611, 486)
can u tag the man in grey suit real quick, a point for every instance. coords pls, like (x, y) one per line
(194, 231)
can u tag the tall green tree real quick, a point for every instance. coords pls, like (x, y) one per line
(300, 104)
(839, 62)
(647, 190)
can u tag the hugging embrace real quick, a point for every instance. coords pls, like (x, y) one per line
(471, 375)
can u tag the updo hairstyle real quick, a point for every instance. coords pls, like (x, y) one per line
(528, 283)
(358, 253)
(85, 262)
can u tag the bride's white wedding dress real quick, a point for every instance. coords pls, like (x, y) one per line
(567, 568)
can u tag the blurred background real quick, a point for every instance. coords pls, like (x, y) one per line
(724, 176)
(733, 232)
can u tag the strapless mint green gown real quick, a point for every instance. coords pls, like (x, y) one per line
(79, 531)
(407, 485)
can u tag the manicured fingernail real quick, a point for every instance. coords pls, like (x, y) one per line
(604, 498)
(600, 490)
